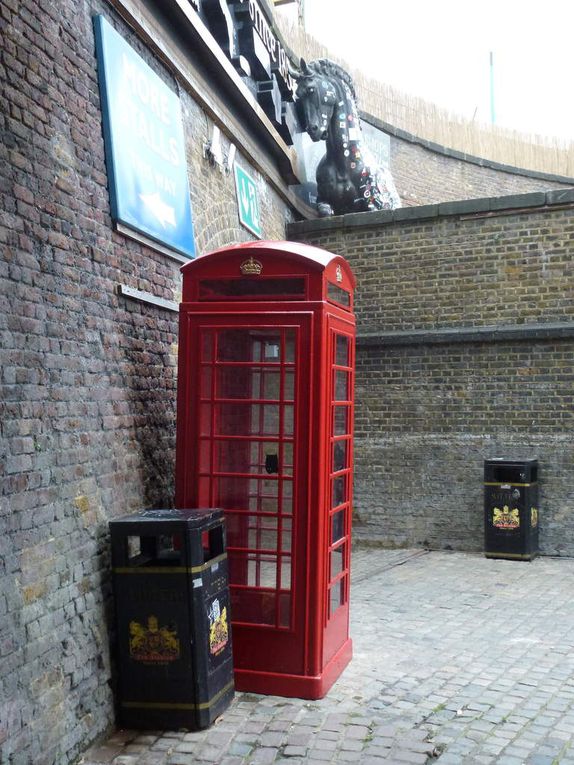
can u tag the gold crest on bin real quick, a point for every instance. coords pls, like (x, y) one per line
(251, 267)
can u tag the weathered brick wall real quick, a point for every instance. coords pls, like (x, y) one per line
(423, 176)
(425, 172)
(88, 377)
(213, 194)
(466, 340)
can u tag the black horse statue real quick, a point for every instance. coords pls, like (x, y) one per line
(348, 179)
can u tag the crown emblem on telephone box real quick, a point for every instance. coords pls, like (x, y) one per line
(250, 267)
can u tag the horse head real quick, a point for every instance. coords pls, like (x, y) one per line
(347, 179)
(316, 98)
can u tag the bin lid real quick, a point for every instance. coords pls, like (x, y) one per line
(192, 517)
(505, 461)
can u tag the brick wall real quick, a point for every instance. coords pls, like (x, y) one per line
(88, 377)
(423, 175)
(466, 335)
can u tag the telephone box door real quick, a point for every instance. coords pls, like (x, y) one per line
(249, 397)
(341, 360)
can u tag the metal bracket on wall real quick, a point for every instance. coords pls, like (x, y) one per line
(147, 297)
(151, 243)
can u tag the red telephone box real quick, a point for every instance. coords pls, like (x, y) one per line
(265, 417)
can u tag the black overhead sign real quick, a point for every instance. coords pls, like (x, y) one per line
(246, 35)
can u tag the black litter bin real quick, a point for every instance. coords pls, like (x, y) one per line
(172, 613)
(511, 508)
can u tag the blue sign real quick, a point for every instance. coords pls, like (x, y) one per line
(247, 201)
(145, 145)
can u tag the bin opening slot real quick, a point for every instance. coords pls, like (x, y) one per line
(160, 550)
(514, 474)
(212, 543)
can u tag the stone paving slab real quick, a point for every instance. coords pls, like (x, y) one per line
(457, 658)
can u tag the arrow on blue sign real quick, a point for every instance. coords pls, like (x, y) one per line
(159, 209)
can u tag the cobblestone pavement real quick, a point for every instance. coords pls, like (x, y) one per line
(456, 658)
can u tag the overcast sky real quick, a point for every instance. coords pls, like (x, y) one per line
(439, 50)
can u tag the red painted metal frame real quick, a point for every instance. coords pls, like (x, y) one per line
(301, 650)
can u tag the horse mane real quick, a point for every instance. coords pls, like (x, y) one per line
(328, 68)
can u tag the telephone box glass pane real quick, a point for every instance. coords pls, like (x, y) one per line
(337, 526)
(336, 596)
(266, 504)
(341, 385)
(254, 345)
(233, 382)
(231, 419)
(267, 385)
(287, 458)
(342, 351)
(338, 491)
(263, 534)
(246, 418)
(290, 346)
(245, 494)
(233, 345)
(338, 295)
(337, 561)
(289, 389)
(339, 455)
(288, 420)
(232, 493)
(262, 571)
(265, 420)
(252, 569)
(341, 420)
(286, 535)
(286, 574)
(287, 497)
(216, 289)
(232, 457)
(256, 458)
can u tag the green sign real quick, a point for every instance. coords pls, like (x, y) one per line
(247, 202)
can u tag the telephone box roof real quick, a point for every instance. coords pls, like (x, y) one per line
(315, 258)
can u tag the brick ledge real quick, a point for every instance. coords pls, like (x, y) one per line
(512, 203)
(486, 334)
